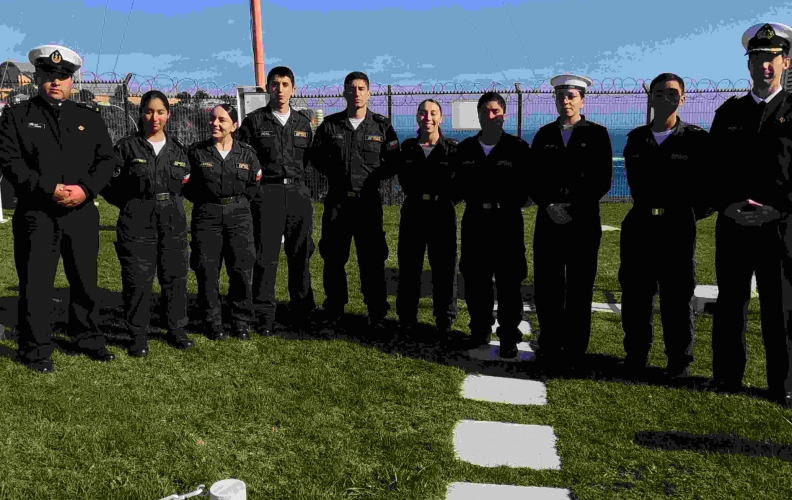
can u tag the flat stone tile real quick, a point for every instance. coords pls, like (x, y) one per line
(475, 491)
(504, 390)
(611, 308)
(610, 228)
(493, 444)
(524, 327)
(492, 353)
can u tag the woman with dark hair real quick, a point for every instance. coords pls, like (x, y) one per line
(428, 220)
(151, 234)
(225, 177)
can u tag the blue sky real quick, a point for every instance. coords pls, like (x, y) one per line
(401, 42)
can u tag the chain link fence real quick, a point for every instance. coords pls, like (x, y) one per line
(618, 104)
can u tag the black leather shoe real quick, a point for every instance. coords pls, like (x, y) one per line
(41, 366)
(179, 340)
(102, 355)
(508, 350)
(677, 371)
(784, 400)
(217, 332)
(139, 349)
(723, 386)
(242, 331)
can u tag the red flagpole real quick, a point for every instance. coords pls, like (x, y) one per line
(258, 43)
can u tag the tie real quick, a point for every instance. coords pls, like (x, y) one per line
(760, 111)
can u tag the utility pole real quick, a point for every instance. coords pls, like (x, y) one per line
(258, 43)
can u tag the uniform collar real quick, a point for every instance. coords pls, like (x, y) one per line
(769, 98)
(580, 123)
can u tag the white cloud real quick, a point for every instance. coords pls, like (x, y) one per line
(426, 66)
(402, 75)
(231, 21)
(242, 59)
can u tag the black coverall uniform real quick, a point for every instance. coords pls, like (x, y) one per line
(42, 145)
(427, 222)
(495, 189)
(565, 255)
(355, 162)
(282, 210)
(222, 227)
(752, 144)
(658, 239)
(151, 233)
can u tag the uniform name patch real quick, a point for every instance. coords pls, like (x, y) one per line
(179, 164)
(393, 145)
(207, 165)
(243, 166)
(139, 160)
(265, 133)
(39, 126)
(376, 138)
(678, 157)
(504, 163)
(300, 133)
(338, 136)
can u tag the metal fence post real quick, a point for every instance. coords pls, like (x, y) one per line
(649, 114)
(390, 104)
(125, 95)
(519, 108)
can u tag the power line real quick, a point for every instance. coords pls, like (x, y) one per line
(123, 36)
(101, 40)
(525, 54)
(490, 53)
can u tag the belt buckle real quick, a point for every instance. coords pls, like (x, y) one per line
(426, 197)
(657, 211)
(487, 205)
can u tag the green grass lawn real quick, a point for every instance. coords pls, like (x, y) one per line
(324, 419)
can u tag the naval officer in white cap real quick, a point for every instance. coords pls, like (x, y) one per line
(573, 169)
(58, 155)
(752, 162)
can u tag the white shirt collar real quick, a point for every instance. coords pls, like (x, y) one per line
(769, 98)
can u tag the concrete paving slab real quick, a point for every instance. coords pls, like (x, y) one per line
(610, 228)
(476, 491)
(504, 390)
(494, 444)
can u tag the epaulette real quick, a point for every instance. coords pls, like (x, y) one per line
(304, 112)
(246, 146)
(731, 99)
(380, 118)
(177, 142)
(89, 105)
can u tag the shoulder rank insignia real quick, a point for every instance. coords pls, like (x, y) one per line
(392, 145)
(300, 133)
(243, 166)
(179, 164)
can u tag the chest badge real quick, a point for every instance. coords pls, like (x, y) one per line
(179, 164)
(207, 165)
(781, 120)
(375, 138)
(300, 133)
(243, 166)
(139, 160)
(39, 126)
(80, 128)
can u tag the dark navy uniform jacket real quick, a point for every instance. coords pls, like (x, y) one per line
(355, 159)
(671, 175)
(283, 150)
(43, 145)
(427, 175)
(212, 177)
(141, 174)
(751, 155)
(579, 173)
(501, 177)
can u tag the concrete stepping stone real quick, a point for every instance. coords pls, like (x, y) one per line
(475, 491)
(610, 228)
(494, 444)
(504, 390)
(609, 308)
(492, 352)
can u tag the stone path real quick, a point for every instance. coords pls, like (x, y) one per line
(495, 444)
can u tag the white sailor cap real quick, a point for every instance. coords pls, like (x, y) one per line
(55, 57)
(568, 81)
(767, 37)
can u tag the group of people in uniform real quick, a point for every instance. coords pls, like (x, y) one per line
(247, 186)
